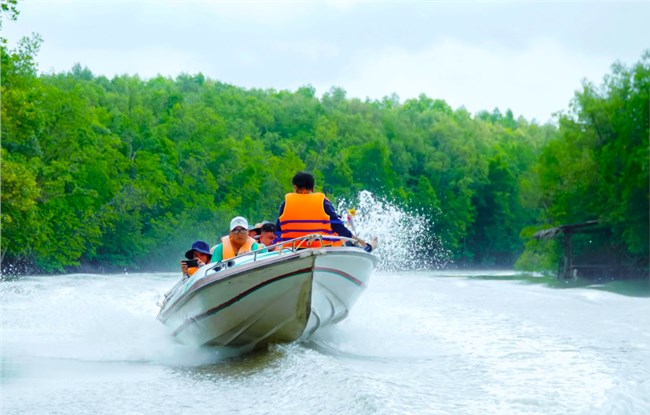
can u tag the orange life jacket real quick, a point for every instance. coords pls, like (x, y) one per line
(229, 250)
(304, 214)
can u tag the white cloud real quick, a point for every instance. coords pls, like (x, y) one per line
(528, 57)
(145, 62)
(312, 50)
(534, 81)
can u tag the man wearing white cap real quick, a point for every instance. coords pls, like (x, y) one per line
(237, 242)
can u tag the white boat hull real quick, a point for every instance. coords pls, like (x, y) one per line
(267, 298)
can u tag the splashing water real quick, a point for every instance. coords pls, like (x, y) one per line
(406, 239)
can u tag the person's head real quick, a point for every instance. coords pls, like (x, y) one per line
(303, 181)
(239, 230)
(267, 233)
(255, 231)
(200, 250)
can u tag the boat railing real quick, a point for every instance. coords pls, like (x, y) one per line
(282, 248)
(285, 247)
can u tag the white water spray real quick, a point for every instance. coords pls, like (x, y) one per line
(406, 238)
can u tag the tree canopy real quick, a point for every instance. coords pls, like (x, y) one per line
(126, 172)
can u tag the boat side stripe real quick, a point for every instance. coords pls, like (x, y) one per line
(208, 313)
(342, 274)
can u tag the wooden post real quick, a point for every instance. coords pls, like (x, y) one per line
(568, 255)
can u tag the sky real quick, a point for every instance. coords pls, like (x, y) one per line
(527, 56)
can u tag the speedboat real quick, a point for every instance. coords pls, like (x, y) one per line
(266, 297)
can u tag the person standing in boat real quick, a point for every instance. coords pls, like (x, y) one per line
(307, 212)
(200, 252)
(237, 242)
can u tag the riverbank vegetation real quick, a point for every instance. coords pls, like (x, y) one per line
(126, 172)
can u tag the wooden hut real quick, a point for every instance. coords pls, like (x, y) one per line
(569, 267)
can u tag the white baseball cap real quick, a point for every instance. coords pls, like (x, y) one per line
(238, 221)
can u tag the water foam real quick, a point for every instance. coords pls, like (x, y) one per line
(98, 318)
(407, 241)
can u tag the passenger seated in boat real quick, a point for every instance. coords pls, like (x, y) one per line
(255, 231)
(200, 252)
(266, 234)
(237, 242)
(306, 212)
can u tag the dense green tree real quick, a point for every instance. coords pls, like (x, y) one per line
(597, 167)
(126, 172)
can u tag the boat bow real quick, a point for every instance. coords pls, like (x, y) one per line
(267, 297)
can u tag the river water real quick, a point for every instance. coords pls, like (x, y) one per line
(415, 343)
